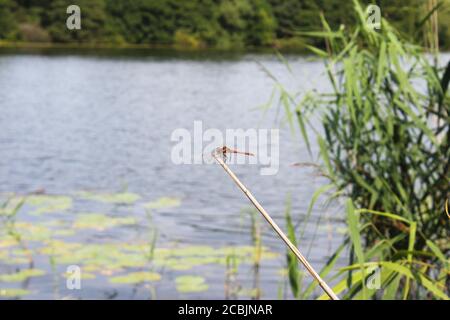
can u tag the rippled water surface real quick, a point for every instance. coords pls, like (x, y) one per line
(90, 135)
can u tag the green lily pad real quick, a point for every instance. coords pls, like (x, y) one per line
(251, 293)
(17, 255)
(110, 258)
(194, 251)
(21, 275)
(188, 257)
(104, 270)
(97, 257)
(49, 203)
(164, 202)
(136, 277)
(7, 243)
(84, 275)
(33, 232)
(186, 263)
(12, 293)
(60, 248)
(100, 221)
(63, 233)
(117, 198)
(187, 284)
(130, 260)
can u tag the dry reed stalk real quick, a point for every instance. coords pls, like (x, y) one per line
(277, 229)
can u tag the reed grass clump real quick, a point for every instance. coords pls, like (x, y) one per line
(384, 146)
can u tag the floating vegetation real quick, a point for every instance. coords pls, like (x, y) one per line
(49, 203)
(119, 256)
(187, 284)
(6, 243)
(83, 275)
(15, 256)
(100, 221)
(186, 263)
(63, 233)
(58, 247)
(12, 293)
(33, 232)
(136, 277)
(72, 238)
(40, 203)
(163, 203)
(116, 198)
(21, 275)
(251, 292)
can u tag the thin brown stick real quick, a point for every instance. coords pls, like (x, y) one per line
(277, 229)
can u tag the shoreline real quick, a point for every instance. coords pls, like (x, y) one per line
(145, 47)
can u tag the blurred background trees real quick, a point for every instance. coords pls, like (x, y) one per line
(224, 24)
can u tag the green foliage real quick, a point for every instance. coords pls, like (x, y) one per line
(94, 26)
(185, 40)
(386, 148)
(7, 22)
(292, 262)
(222, 24)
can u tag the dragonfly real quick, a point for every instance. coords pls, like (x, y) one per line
(222, 152)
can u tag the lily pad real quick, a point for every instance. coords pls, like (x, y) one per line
(12, 293)
(60, 248)
(188, 257)
(136, 277)
(96, 257)
(117, 198)
(49, 203)
(252, 293)
(162, 203)
(194, 251)
(7, 243)
(17, 255)
(187, 284)
(33, 231)
(63, 233)
(21, 275)
(84, 275)
(186, 263)
(100, 221)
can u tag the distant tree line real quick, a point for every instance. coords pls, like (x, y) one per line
(223, 24)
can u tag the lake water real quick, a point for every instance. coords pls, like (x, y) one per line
(90, 134)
